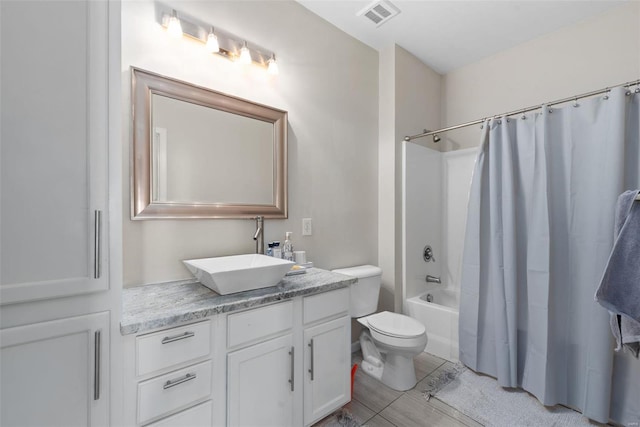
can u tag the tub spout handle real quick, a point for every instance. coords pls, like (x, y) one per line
(433, 279)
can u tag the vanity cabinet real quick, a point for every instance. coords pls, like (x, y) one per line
(261, 374)
(260, 389)
(56, 372)
(198, 416)
(327, 359)
(264, 380)
(173, 376)
(283, 363)
(327, 354)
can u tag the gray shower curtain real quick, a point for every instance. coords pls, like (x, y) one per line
(539, 233)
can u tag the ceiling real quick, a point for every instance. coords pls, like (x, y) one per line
(449, 34)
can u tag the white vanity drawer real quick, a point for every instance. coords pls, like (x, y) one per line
(173, 391)
(198, 416)
(260, 322)
(170, 347)
(325, 305)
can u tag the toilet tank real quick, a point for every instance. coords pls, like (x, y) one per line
(364, 293)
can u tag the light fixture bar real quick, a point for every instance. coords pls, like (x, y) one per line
(229, 43)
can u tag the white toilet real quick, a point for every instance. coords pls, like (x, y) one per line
(391, 340)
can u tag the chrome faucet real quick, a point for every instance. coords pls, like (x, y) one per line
(433, 279)
(259, 235)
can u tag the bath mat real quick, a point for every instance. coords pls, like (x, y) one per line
(435, 384)
(481, 398)
(342, 418)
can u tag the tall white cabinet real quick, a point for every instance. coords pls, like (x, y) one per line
(53, 372)
(59, 296)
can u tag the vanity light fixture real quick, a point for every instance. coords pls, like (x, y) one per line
(219, 42)
(245, 55)
(212, 42)
(273, 65)
(174, 27)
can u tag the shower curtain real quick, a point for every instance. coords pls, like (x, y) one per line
(539, 234)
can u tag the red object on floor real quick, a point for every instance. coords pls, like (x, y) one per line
(354, 368)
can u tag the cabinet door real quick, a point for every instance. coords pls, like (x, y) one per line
(54, 124)
(259, 386)
(327, 368)
(55, 373)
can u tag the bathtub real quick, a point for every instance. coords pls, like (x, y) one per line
(440, 318)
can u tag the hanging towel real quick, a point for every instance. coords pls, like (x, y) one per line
(619, 290)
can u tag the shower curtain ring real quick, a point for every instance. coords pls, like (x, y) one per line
(524, 117)
(575, 102)
(606, 93)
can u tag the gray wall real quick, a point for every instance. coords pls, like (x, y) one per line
(328, 83)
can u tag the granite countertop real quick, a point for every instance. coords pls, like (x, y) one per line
(169, 304)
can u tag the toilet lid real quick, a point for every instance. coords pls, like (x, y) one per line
(395, 325)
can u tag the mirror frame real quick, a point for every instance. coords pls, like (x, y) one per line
(144, 84)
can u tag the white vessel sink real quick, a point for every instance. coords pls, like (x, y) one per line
(237, 273)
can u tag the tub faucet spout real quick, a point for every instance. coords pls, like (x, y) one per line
(433, 279)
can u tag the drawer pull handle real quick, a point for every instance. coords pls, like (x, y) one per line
(97, 244)
(173, 383)
(167, 340)
(311, 368)
(97, 340)
(293, 372)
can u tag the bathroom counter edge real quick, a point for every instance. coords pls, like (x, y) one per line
(149, 307)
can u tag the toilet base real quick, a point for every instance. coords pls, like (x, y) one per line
(399, 372)
(394, 369)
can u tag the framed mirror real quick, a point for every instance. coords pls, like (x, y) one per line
(198, 153)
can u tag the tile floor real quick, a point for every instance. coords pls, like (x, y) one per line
(376, 405)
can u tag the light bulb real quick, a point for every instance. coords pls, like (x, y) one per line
(245, 55)
(273, 65)
(212, 43)
(174, 28)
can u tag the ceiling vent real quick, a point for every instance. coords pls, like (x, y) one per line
(379, 12)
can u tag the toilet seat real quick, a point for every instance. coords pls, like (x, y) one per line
(395, 325)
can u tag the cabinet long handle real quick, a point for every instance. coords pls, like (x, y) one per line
(293, 373)
(311, 368)
(96, 365)
(173, 383)
(167, 340)
(97, 248)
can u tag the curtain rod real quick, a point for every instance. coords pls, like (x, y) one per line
(524, 110)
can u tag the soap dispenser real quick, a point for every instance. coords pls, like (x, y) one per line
(288, 247)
